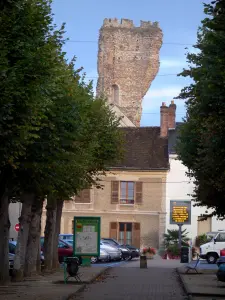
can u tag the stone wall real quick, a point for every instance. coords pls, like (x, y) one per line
(128, 59)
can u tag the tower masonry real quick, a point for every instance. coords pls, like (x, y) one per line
(128, 61)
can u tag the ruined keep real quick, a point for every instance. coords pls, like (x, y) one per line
(128, 61)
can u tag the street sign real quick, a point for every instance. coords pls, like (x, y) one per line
(180, 212)
(17, 227)
(86, 236)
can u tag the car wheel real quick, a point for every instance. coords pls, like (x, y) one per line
(211, 258)
(126, 258)
(130, 257)
(94, 259)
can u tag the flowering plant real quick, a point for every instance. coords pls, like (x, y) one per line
(149, 250)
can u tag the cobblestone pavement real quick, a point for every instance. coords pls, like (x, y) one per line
(122, 283)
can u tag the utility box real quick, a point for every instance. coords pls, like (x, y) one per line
(185, 255)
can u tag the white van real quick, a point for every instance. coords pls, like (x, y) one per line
(211, 250)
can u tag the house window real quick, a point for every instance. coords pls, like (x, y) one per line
(125, 233)
(115, 94)
(127, 192)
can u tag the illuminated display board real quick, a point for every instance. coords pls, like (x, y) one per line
(180, 212)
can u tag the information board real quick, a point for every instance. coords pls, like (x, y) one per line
(87, 236)
(180, 212)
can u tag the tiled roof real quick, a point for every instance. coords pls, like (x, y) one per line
(144, 149)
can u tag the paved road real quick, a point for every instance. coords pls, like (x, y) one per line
(129, 282)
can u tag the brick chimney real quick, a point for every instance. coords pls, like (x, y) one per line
(164, 114)
(172, 115)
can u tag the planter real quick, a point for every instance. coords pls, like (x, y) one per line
(149, 255)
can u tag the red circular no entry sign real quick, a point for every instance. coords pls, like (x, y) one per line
(17, 227)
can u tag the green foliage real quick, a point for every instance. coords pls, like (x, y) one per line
(172, 237)
(202, 136)
(54, 136)
(173, 250)
(201, 239)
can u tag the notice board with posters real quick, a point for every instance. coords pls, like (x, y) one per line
(180, 212)
(86, 236)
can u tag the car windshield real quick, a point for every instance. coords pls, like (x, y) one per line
(69, 242)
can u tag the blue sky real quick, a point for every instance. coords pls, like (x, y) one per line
(179, 20)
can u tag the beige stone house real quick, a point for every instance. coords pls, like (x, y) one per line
(132, 202)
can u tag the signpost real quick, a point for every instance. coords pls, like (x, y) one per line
(180, 214)
(17, 227)
(86, 242)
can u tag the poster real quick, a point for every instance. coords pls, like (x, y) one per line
(87, 236)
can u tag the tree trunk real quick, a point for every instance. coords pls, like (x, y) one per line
(4, 238)
(38, 262)
(21, 247)
(55, 259)
(33, 243)
(49, 233)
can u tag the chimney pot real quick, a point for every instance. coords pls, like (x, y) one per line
(172, 115)
(164, 112)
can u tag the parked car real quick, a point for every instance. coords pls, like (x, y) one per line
(211, 250)
(114, 253)
(126, 252)
(70, 242)
(135, 252)
(64, 249)
(66, 237)
(104, 256)
(11, 261)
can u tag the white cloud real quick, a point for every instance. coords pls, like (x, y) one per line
(155, 96)
(172, 63)
(170, 91)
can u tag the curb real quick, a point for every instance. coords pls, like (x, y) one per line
(191, 295)
(184, 286)
(84, 285)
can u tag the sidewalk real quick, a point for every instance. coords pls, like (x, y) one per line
(49, 287)
(202, 286)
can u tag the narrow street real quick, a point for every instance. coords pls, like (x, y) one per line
(128, 281)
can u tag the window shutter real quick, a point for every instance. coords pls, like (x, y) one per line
(86, 196)
(115, 192)
(83, 197)
(136, 234)
(138, 192)
(113, 230)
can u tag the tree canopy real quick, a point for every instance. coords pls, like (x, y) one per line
(56, 138)
(201, 145)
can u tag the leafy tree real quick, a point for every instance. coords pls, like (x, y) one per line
(56, 139)
(202, 136)
(27, 74)
(172, 237)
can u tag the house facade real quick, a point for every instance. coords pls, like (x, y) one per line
(179, 187)
(132, 201)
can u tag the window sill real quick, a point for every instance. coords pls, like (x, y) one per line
(126, 204)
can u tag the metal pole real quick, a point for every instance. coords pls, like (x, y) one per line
(180, 234)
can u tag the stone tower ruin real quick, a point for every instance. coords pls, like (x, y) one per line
(128, 61)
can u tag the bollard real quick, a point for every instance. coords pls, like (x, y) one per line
(143, 262)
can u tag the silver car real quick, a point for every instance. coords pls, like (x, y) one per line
(104, 256)
(114, 253)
